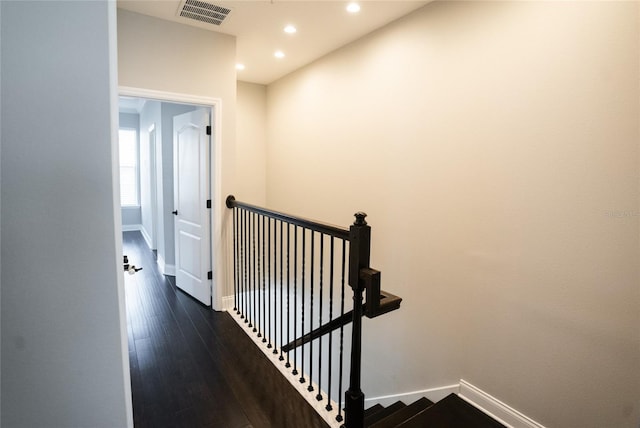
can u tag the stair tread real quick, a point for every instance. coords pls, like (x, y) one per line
(373, 410)
(451, 412)
(386, 411)
(403, 414)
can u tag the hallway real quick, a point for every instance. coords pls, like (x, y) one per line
(194, 367)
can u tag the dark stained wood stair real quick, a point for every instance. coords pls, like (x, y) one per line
(450, 412)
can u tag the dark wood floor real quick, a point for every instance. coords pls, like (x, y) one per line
(194, 367)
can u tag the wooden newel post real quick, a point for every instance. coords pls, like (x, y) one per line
(359, 255)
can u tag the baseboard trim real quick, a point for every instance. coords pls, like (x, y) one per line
(131, 227)
(146, 237)
(495, 408)
(433, 394)
(227, 303)
(165, 268)
(170, 270)
(318, 406)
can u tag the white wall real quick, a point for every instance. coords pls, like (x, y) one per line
(251, 151)
(64, 362)
(491, 144)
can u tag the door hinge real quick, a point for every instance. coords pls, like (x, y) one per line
(208, 129)
(210, 275)
(208, 203)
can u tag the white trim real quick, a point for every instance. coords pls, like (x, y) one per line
(129, 91)
(495, 408)
(319, 406)
(165, 268)
(218, 206)
(161, 263)
(112, 32)
(146, 236)
(169, 270)
(433, 394)
(131, 227)
(227, 303)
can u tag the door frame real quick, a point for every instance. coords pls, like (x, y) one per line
(215, 154)
(153, 184)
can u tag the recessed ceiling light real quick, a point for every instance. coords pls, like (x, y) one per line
(353, 8)
(290, 29)
(278, 54)
(240, 67)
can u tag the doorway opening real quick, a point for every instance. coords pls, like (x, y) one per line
(162, 153)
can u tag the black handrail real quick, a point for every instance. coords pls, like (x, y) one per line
(327, 229)
(363, 280)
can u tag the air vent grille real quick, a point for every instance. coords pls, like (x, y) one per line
(204, 12)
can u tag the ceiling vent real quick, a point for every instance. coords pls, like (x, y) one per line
(203, 11)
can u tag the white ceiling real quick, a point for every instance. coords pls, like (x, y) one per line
(323, 26)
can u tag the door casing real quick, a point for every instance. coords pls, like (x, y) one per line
(217, 199)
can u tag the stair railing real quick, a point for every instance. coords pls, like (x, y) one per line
(281, 264)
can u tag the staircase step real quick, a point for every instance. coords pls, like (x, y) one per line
(387, 411)
(403, 414)
(451, 412)
(373, 410)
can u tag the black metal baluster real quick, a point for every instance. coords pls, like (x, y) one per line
(252, 294)
(339, 418)
(244, 265)
(261, 300)
(304, 234)
(256, 320)
(288, 364)
(281, 358)
(329, 407)
(235, 260)
(238, 305)
(247, 264)
(312, 267)
(252, 226)
(268, 308)
(295, 296)
(319, 396)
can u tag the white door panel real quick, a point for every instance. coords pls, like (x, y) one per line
(191, 191)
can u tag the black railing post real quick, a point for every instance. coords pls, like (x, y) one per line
(359, 255)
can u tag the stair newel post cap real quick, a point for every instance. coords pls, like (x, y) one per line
(230, 200)
(360, 219)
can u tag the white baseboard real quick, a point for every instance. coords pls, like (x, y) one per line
(227, 303)
(329, 416)
(495, 408)
(169, 270)
(165, 268)
(131, 227)
(146, 237)
(473, 395)
(433, 394)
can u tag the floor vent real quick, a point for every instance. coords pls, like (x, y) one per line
(203, 11)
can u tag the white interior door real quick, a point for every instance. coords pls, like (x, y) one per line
(191, 192)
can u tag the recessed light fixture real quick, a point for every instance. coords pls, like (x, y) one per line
(290, 29)
(278, 54)
(353, 7)
(240, 67)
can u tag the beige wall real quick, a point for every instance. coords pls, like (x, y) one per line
(251, 148)
(495, 148)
